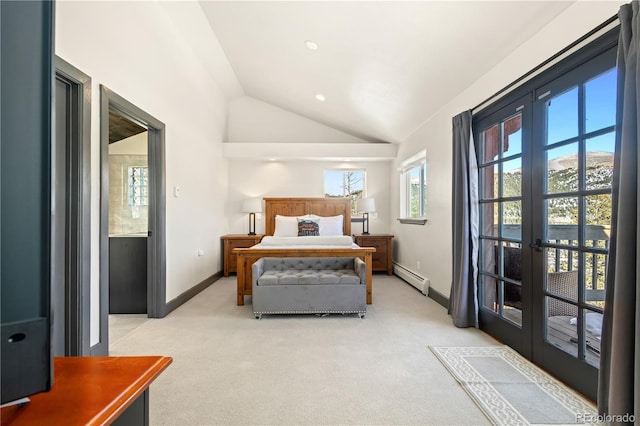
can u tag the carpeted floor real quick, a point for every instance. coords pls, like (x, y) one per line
(231, 369)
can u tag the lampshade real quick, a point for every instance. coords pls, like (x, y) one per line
(252, 205)
(366, 205)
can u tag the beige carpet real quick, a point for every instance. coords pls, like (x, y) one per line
(512, 390)
(231, 369)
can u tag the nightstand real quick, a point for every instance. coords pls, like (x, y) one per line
(383, 256)
(231, 241)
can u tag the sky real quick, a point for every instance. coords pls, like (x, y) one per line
(334, 181)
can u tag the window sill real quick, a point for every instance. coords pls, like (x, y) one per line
(412, 220)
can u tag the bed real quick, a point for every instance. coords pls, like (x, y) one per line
(301, 207)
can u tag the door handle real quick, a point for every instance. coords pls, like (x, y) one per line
(537, 244)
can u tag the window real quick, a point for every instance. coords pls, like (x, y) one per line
(138, 186)
(345, 183)
(413, 188)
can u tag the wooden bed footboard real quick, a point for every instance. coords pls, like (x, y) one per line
(247, 256)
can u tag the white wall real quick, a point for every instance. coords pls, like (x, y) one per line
(261, 178)
(133, 145)
(137, 50)
(251, 120)
(431, 244)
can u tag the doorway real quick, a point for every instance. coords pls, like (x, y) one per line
(144, 199)
(71, 212)
(545, 172)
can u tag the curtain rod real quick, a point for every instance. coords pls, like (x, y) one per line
(546, 62)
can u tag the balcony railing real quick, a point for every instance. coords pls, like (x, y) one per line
(563, 255)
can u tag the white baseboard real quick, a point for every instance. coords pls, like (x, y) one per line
(416, 280)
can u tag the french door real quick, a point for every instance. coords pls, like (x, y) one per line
(545, 170)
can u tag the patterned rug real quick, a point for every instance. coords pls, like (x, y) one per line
(510, 390)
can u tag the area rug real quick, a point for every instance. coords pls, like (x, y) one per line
(510, 390)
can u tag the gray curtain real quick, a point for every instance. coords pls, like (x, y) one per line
(619, 382)
(463, 300)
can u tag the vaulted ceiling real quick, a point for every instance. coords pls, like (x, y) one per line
(383, 67)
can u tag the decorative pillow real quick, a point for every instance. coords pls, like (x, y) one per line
(331, 226)
(286, 226)
(308, 228)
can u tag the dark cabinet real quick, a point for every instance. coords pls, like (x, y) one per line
(128, 275)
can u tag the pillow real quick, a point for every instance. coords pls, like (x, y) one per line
(286, 226)
(308, 228)
(331, 226)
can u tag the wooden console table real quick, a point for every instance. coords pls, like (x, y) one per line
(92, 391)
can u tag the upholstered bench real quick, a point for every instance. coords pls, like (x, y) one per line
(309, 285)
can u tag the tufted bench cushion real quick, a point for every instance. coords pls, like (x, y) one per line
(322, 270)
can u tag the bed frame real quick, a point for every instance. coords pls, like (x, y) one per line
(300, 207)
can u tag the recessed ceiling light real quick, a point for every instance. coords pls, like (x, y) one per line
(311, 45)
(320, 97)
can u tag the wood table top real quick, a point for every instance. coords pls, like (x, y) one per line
(88, 390)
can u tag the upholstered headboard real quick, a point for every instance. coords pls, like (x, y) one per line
(302, 206)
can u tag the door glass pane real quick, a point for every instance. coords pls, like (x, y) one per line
(561, 325)
(562, 169)
(561, 260)
(600, 161)
(562, 116)
(592, 322)
(491, 144)
(598, 220)
(563, 284)
(489, 225)
(600, 101)
(512, 309)
(562, 220)
(512, 178)
(512, 130)
(512, 259)
(490, 182)
(489, 256)
(512, 269)
(595, 278)
(489, 293)
(512, 220)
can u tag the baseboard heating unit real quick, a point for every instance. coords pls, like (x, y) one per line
(412, 278)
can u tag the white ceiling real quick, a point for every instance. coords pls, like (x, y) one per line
(384, 66)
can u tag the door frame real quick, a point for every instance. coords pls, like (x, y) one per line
(78, 210)
(552, 360)
(156, 242)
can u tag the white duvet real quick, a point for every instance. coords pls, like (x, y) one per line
(332, 241)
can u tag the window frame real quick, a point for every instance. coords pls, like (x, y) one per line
(419, 161)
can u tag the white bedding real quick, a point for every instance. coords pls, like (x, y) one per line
(316, 241)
